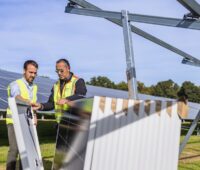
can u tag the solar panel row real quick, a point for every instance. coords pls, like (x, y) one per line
(45, 85)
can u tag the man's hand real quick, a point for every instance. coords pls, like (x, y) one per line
(65, 101)
(36, 106)
(62, 101)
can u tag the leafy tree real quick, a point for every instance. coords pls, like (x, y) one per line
(102, 82)
(191, 91)
(143, 89)
(165, 89)
(122, 86)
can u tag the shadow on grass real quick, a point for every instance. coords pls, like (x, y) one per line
(189, 157)
(193, 142)
(3, 142)
(46, 140)
(47, 164)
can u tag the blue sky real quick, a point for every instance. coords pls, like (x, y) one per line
(40, 30)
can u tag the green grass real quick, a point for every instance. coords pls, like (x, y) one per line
(47, 137)
(47, 150)
(190, 157)
(189, 160)
(3, 155)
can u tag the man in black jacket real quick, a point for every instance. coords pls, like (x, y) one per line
(68, 88)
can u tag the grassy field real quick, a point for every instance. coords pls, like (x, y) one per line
(190, 157)
(47, 148)
(47, 136)
(189, 160)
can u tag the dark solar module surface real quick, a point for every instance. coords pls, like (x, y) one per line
(101, 91)
(3, 98)
(46, 89)
(3, 94)
(3, 105)
(6, 75)
(4, 82)
(42, 98)
(45, 85)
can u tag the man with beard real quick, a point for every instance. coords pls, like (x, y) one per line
(22, 89)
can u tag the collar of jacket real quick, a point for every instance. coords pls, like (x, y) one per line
(67, 79)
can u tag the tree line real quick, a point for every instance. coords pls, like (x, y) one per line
(167, 88)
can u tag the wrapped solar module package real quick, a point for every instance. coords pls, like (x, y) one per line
(113, 133)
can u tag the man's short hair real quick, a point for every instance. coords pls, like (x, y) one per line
(64, 61)
(32, 62)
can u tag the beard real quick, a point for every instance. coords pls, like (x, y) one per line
(31, 79)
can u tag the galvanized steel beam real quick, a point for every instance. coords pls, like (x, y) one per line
(191, 63)
(94, 13)
(192, 6)
(164, 21)
(172, 22)
(138, 31)
(130, 70)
